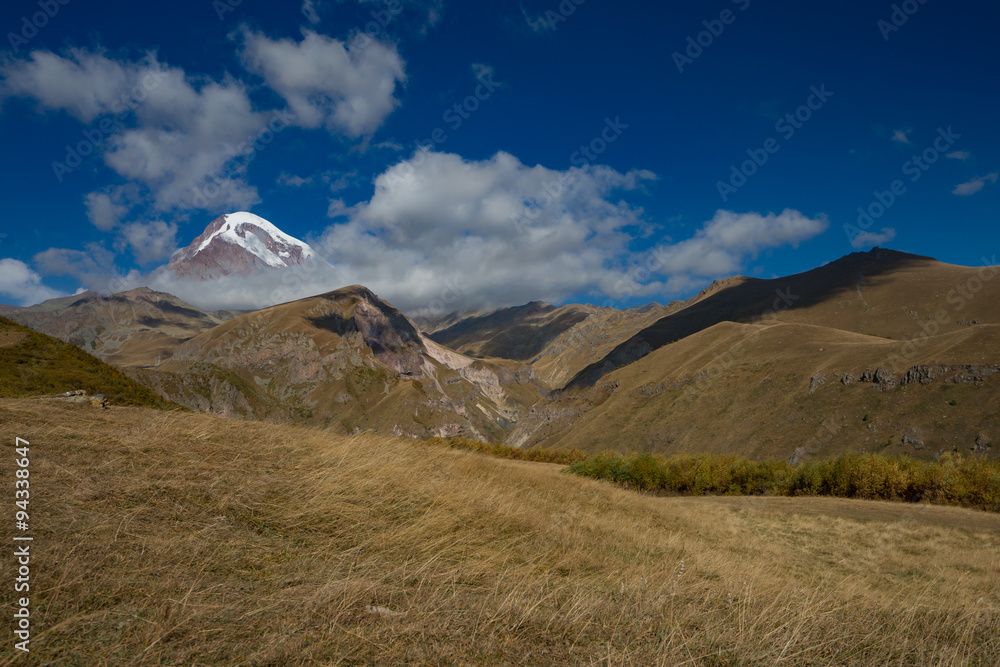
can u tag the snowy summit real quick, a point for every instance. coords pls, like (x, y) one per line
(239, 243)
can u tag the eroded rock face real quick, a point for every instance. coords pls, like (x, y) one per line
(974, 374)
(983, 444)
(913, 438)
(391, 337)
(816, 381)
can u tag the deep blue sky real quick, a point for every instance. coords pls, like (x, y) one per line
(557, 88)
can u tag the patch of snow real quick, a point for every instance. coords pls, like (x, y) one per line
(246, 231)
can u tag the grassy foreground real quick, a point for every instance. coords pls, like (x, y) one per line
(951, 480)
(177, 538)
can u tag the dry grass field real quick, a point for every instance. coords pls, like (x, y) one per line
(169, 538)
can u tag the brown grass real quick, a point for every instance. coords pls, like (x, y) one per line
(167, 538)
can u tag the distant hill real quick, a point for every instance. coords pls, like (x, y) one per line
(140, 327)
(34, 364)
(556, 341)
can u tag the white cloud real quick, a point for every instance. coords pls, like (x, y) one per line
(246, 292)
(309, 11)
(19, 282)
(293, 181)
(104, 210)
(440, 233)
(959, 155)
(149, 241)
(93, 267)
(973, 186)
(901, 136)
(85, 84)
(159, 128)
(725, 242)
(338, 208)
(349, 89)
(872, 239)
(341, 180)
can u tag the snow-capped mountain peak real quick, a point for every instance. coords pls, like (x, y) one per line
(239, 243)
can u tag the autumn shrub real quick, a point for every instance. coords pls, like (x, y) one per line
(951, 480)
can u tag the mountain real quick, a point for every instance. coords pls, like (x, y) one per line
(878, 351)
(34, 364)
(557, 342)
(879, 293)
(140, 327)
(239, 243)
(345, 360)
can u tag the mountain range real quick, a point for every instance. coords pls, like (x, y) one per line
(877, 351)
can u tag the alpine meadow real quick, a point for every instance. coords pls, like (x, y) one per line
(537, 332)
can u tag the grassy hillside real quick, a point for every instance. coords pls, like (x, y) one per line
(33, 364)
(186, 539)
(780, 391)
(881, 293)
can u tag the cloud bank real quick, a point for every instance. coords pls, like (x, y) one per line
(443, 234)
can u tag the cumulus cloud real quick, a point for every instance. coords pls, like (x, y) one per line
(446, 233)
(19, 282)
(158, 127)
(724, 243)
(442, 233)
(872, 239)
(84, 84)
(959, 155)
(973, 186)
(149, 241)
(348, 88)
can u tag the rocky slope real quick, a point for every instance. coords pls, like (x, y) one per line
(556, 341)
(344, 360)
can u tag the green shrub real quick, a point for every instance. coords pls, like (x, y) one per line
(952, 480)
